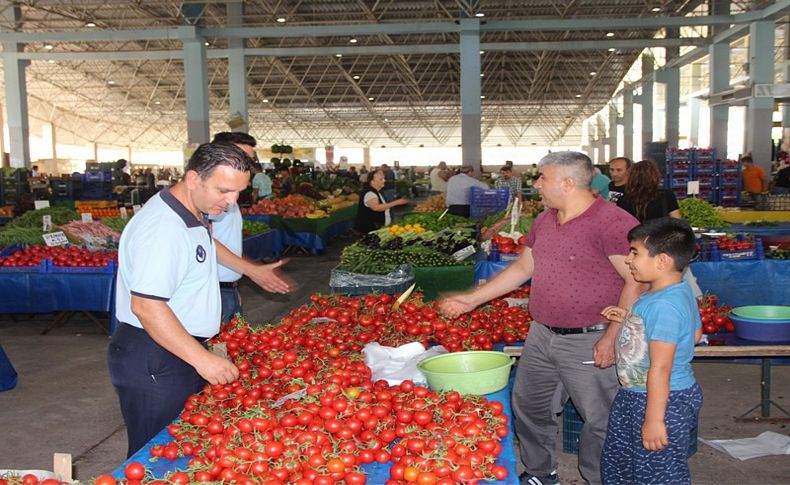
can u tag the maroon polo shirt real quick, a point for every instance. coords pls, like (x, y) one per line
(573, 278)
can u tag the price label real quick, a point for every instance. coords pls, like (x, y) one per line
(55, 239)
(124, 215)
(87, 217)
(464, 253)
(693, 187)
(46, 223)
(136, 208)
(40, 204)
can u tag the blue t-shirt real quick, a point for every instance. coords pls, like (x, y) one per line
(669, 315)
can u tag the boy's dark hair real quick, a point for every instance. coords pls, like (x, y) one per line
(209, 156)
(234, 137)
(667, 235)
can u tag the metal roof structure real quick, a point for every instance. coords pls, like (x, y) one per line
(338, 72)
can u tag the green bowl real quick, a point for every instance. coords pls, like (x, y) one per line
(472, 372)
(763, 312)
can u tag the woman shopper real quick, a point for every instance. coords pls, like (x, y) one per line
(644, 197)
(374, 211)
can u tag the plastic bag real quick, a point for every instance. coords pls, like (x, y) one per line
(398, 364)
(354, 283)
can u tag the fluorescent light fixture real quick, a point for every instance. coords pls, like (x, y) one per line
(480, 14)
(280, 20)
(578, 95)
(655, 9)
(612, 49)
(352, 40)
(338, 55)
(482, 52)
(51, 61)
(90, 24)
(610, 34)
(265, 100)
(482, 74)
(483, 96)
(371, 99)
(49, 47)
(157, 102)
(206, 43)
(593, 73)
(355, 76)
(111, 82)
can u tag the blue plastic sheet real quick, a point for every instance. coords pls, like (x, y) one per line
(778, 229)
(309, 240)
(8, 376)
(739, 283)
(52, 292)
(377, 473)
(267, 244)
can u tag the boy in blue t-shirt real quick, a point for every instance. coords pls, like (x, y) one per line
(657, 406)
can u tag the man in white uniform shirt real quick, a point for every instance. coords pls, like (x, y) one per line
(167, 293)
(457, 197)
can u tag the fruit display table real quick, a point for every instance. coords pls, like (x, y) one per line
(265, 244)
(310, 234)
(377, 473)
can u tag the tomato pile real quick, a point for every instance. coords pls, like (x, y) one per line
(714, 318)
(508, 245)
(306, 411)
(733, 244)
(292, 207)
(28, 479)
(61, 256)
(98, 213)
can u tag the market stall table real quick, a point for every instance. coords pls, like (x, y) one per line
(265, 244)
(310, 234)
(377, 473)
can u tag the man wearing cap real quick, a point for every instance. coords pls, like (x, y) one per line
(167, 295)
(458, 188)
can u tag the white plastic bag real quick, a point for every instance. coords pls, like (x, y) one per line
(398, 364)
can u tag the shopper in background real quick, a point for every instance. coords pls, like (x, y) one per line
(658, 405)
(644, 197)
(575, 254)
(600, 184)
(618, 172)
(261, 183)
(782, 181)
(167, 294)
(457, 196)
(389, 183)
(439, 176)
(287, 185)
(34, 171)
(754, 180)
(227, 227)
(374, 211)
(508, 180)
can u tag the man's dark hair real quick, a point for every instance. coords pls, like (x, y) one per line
(506, 168)
(209, 156)
(627, 161)
(667, 235)
(747, 158)
(234, 137)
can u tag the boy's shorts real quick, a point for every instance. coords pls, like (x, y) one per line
(626, 461)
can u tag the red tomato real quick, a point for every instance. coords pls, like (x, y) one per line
(134, 471)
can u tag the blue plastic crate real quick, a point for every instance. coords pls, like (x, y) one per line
(572, 428)
(88, 177)
(485, 202)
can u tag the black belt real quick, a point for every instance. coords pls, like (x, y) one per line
(228, 284)
(598, 327)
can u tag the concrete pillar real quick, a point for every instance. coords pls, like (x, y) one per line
(366, 157)
(129, 154)
(237, 67)
(719, 72)
(2, 139)
(694, 109)
(628, 123)
(15, 92)
(785, 106)
(611, 140)
(647, 104)
(600, 140)
(759, 111)
(672, 92)
(471, 153)
(54, 140)
(196, 83)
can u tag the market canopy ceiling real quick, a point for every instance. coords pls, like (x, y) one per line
(343, 72)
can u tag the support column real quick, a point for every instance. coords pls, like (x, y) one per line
(694, 109)
(196, 83)
(2, 139)
(366, 157)
(54, 140)
(471, 153)
(672, 92)
(237, 68)
(628, 123)
(15, 92)
(760, 110)
(611, 140)
(785, 106)
(719, 72)
(129, 154)
(647, 104)
(600, 140)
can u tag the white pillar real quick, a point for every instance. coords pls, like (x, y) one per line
(15, 92)
(237, 67)
(647, 104)
(196, 82)
(759, 113)
(628, 123)
(471, 109)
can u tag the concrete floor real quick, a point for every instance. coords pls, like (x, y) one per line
(65, 403)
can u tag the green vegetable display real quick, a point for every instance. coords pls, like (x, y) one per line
(431, 221)
(251, 228)
(60, 215)
(778, 254)
(699, 213)
(359, 259)
(21, 235)
(117, 224)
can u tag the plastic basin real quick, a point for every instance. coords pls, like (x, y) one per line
(763, 312)
(761, 330)
(472, 372)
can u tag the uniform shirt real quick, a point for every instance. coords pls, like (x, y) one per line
(227, 229)
(513, 183)
(458, 189)
(263, 183)
(753, 179)
(167, 254)
(669, 315)
(438, 184)
(573, 279)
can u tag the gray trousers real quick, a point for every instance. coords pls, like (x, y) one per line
(550, 368)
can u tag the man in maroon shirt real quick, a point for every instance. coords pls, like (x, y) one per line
(575, 256)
